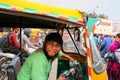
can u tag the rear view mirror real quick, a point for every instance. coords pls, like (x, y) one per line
(77, 34)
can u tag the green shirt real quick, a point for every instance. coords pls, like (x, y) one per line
(36, 67)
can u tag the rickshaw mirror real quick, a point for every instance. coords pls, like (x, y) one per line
(77, 34)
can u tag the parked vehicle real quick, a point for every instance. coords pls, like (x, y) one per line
(71, 24)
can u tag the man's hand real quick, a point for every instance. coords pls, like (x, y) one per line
(61, 78)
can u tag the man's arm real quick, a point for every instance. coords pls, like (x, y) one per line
(68, 57)
(61, 54)
(61, 78)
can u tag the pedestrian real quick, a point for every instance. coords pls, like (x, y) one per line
(38, 65)
(95, 37)
(105, 45)
(113, 67)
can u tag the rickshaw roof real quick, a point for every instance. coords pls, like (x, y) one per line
(29, 6)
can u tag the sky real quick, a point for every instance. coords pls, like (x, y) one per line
(108, 7)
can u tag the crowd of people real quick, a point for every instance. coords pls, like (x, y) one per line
(106, 43)
(103, 42)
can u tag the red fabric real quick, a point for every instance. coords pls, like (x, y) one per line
(13, 42)
(113, 68)
(113, 46)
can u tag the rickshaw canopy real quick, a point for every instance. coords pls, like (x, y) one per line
(31, 7)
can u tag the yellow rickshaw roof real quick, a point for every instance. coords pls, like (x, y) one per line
(30, 6)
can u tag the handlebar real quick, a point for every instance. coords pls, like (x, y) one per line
(75, 70)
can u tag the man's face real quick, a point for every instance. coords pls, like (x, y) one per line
(17, 30)
(52, 48)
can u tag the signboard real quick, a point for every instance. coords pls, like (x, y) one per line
(107, 27)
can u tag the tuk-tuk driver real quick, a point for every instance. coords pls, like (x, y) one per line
(38, 65)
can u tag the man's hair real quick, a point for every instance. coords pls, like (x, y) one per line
(54, 37)
(13, 28)
(118, 35)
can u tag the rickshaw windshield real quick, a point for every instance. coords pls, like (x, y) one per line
(69, 46)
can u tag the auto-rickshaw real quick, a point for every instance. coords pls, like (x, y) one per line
(70, 23)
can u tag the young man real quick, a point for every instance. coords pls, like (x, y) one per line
(38, 65)
(13, 41)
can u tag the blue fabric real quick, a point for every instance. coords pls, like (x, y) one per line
(106, 43)
(95, 39)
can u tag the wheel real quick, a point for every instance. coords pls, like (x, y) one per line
(4, 62)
